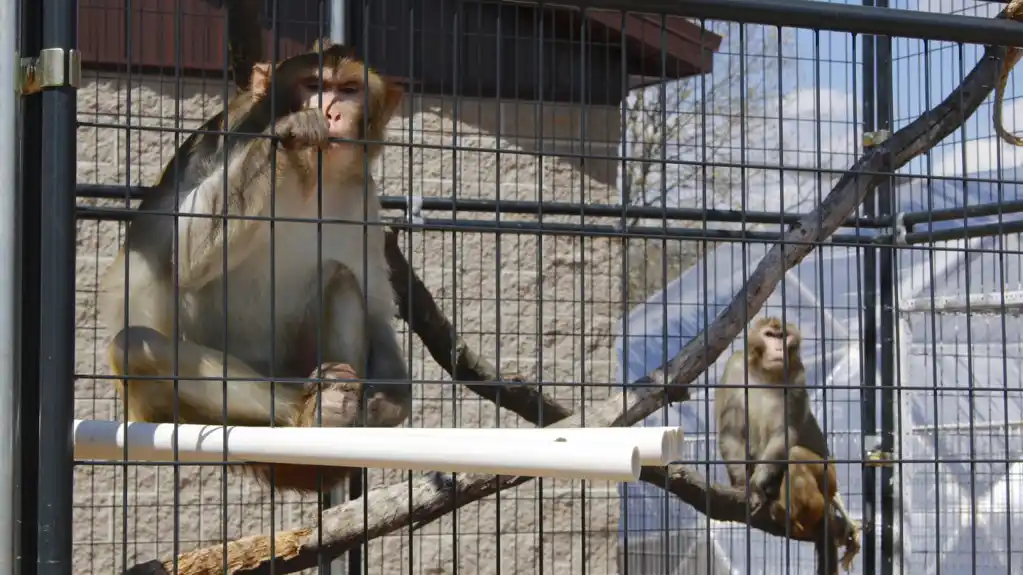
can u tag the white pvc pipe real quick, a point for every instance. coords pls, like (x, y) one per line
(9, 107)
(657, 445)
(341, 447)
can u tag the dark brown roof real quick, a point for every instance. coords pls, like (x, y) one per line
(689, 48)
(103, 32)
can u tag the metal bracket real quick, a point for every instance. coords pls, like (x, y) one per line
(878, 458)
(900, 229)
(415, 210)
(53, 68)
(874, 456)
(876, 138)
(897, 232)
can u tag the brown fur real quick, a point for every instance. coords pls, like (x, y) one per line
(808, 487)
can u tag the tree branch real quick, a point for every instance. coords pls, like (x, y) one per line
(429, 497)
(418, 308)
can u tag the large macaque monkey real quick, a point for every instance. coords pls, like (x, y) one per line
(252, 311)
(783, 435)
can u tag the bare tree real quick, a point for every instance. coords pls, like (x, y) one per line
(702, 121)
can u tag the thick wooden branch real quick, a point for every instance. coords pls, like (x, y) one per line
(429, 497)
(418, 308)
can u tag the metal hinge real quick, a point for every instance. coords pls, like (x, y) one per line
(53, 68)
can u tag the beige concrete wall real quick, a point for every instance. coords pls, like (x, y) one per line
(550, 317)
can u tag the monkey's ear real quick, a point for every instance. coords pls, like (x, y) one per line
(393, 93)
(260, 81)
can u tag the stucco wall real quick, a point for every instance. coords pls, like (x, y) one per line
(550, 317)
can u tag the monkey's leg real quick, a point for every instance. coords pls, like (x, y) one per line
(361, 337)
(248, 402)
(143, 351)
(389, 394)
(337, 403)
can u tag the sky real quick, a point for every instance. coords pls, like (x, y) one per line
(815, 109)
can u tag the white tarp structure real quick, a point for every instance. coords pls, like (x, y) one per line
(966, 401)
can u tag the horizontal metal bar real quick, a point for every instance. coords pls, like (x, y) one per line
(980, 303)
(965, 232)
(527, 207)
(911, 219)
(545, 228)
(641, 232)
(814, 14)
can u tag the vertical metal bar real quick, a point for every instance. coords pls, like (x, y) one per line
(868, 422)
(338, 32)
(27, 393)
(57, 284)
(339, 19)
(886, 285)
(8, 275)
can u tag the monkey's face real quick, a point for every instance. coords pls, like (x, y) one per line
(355, 101)
(778, 347)
(341, 100)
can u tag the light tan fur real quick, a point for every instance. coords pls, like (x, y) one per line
(259, 301)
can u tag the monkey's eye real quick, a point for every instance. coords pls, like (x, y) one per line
(349, 89)
(312, 85)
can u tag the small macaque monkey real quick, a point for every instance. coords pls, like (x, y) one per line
(214, 321)
(807, 488)
(783, 435)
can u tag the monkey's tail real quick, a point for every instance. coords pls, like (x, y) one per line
(287, 477)
(851, 541)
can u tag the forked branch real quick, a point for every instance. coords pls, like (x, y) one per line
(429, 497)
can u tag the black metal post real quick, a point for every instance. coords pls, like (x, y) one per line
(868, 422)
(27, 392)
(886, 285)
(57, 284)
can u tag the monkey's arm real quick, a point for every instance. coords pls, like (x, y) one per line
(813, 438)
(204, 240)
(730, 416)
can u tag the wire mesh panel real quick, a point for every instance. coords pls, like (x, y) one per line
(570, 198)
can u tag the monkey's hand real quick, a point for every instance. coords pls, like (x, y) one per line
(304, 129)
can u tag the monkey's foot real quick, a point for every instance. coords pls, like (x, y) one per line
(336, 402)
(757, 499)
